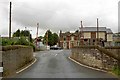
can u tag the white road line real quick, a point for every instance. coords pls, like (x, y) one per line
(86, 66)
(55, 54)
(27, 66)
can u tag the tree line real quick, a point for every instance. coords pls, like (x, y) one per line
(23, 33)
(49, 37)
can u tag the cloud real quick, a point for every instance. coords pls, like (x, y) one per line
(60, 14)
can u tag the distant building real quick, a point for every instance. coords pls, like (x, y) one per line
(90, 35)
(69, 40)
(116, 39)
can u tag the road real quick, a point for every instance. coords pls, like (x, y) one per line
(55, 64)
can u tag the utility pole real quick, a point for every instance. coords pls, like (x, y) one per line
(25, 31)
(29, 36)
(47, 38)
(97, 32)
(10, 20)
(81, 34)
(37, 33)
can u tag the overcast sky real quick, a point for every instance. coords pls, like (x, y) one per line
(58, 15)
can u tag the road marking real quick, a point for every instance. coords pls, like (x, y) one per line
(86, 66)
(27, 66)
(1, 69)
(55, 54)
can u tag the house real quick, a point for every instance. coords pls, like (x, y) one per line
(116, 39)
(69, 40)
(90, 35)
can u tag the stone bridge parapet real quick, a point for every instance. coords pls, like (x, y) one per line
(96, 56)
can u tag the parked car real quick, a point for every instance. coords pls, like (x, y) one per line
(55, 48)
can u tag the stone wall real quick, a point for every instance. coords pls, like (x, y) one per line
(97, 57)
(15, 59)
(115, 50)
(86, 56)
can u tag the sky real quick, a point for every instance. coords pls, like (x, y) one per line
(57, 15)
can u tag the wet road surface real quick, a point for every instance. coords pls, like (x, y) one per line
(55, 64)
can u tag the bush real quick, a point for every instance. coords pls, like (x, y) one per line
(116, 70)
(13, 47)
(21, 41)
(33, 46)
(6, 42)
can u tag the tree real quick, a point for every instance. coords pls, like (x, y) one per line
(30, 37)
(23, 33)
(55, 38)
(76, 31)
(52, 38)
(17, 33)
(41, 37)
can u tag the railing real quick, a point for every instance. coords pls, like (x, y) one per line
(96, 56)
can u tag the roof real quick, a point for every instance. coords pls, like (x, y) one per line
(69, 34)
(109, 31)
(89, 29)
(94, 29)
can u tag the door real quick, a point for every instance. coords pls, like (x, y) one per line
(93, 35)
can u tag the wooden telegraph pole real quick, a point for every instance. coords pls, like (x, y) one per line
(10, 20)
(97, 32)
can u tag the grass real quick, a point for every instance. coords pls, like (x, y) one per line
(116, 70)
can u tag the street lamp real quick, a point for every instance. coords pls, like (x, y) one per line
(29, 35)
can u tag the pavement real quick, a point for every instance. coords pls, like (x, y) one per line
(55, 64)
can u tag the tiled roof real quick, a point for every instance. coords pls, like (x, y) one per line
(88, 29)
(94, 29)
(69, 34)
(91, 29)
(109, 31)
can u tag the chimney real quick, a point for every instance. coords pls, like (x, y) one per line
(60, 33)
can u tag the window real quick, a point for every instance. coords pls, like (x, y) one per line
(72, 38)
(85, 39)
(64, 38)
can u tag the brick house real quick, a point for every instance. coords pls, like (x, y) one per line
(68, 40)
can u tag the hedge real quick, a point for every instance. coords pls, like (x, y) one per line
(12, 42)
(12, 47)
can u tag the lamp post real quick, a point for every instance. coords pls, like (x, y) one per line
(28, 36)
